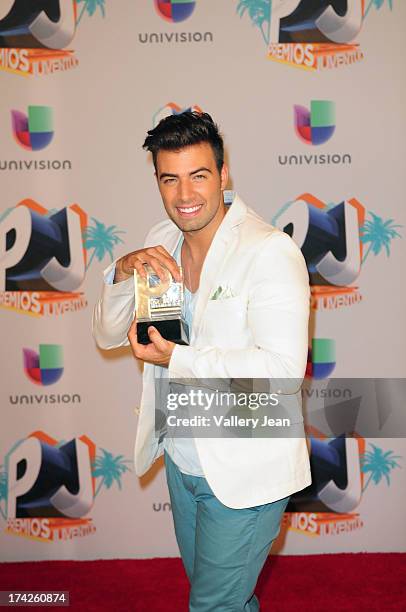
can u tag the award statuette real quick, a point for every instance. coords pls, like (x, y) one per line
(159, 303)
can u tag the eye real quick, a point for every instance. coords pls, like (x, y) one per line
(199, 177)
(169, 181)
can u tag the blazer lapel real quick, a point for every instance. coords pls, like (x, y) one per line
(216, 254)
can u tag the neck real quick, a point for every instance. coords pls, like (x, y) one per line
(198, 242)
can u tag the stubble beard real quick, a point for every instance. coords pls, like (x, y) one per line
(197, 224)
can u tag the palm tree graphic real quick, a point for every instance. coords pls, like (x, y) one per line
(260, 12)
(109, 469)
(91, 7)
(101, 239)
(3, 490)
(379, 234)
(379, 464)
(377, 4)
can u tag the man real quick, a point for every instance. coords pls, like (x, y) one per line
(247, 296)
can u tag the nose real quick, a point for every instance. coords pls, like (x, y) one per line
(185, 190)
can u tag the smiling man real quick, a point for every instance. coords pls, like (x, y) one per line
(247, 305)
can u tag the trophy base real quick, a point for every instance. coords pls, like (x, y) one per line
(175, 330)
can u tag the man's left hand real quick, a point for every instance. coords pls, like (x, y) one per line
(158, 352)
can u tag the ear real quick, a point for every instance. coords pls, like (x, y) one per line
(224, 177)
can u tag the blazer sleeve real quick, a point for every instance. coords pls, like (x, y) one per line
(114, 312)
(278, 313)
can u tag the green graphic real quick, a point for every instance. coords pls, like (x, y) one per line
(323, 350)
(91, 6)
(377, 4)
(101, 239)
(379, 464)
(40, 119)
(379, 234)
(259, 11)
(50, 356)
(322, 113)
(110, 469)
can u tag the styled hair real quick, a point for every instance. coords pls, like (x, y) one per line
(189, 128)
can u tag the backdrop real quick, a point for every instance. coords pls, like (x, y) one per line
(309, 97)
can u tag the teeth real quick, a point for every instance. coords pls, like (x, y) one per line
(190, 210)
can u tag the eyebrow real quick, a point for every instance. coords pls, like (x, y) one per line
(170, 175)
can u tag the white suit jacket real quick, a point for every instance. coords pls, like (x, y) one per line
(260, 332)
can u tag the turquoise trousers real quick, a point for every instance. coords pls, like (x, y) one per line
(223, 549)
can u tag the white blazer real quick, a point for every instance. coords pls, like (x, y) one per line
(260, 332)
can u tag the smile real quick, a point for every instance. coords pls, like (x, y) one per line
(189, 211)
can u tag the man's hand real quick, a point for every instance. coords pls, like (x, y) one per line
(159, 352)
(157, 257)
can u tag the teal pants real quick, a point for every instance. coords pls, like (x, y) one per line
(223, 549)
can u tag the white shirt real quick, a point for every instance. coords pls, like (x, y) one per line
(183, 450)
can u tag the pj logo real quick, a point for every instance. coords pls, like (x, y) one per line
(332, 239)
(44, 257)
(326, 507)
(35, 34)
(339, 417)
(172, 109)
(315, 35)
(339, 466)
(48, 487)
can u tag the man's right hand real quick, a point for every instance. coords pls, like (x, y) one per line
(157, 257)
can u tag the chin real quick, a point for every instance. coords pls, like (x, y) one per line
(190, 227)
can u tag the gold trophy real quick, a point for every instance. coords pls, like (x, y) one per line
(160, 303)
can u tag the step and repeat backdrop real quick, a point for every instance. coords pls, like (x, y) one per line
(310, 98)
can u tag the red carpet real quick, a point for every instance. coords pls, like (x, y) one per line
(316, 583)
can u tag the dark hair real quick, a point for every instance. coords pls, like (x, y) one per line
(178, 131)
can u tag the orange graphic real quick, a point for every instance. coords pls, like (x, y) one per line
(50, 529)
(315, 56)
(37, 62)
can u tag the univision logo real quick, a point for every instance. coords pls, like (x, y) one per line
(174, 11)
(321, 359)
(43, 368)
(315, 126)
(34, 131)
(46, 366)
